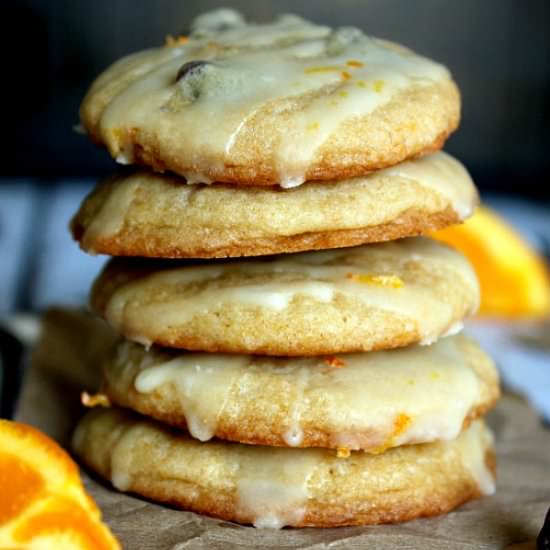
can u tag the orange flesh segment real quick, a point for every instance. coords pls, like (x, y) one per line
(42, 500)
(513, 279)
(21, 485)
(63, 515)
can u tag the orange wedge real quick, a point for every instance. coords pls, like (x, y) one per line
(513, 278)
(43, 504)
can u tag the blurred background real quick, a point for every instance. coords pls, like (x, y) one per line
(498, 51)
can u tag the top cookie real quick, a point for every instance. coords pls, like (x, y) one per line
(277, 103)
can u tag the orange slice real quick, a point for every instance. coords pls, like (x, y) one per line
(514, 280)
(43, 504)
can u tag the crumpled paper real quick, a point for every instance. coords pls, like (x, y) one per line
(66, 360)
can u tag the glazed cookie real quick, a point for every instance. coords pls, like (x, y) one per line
(146, 214)
(276, 487)
(277, 103)
(370, 401)
(365, 298)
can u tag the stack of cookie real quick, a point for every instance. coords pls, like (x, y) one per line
(323, 387)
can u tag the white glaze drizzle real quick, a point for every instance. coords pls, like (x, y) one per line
(294, 435)
(474, 456)
(203, 383)
(109, 220)
(454, 328)
(273, 489)
(441, 173)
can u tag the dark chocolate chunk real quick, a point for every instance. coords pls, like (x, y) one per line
(543, 540)
(191, 68)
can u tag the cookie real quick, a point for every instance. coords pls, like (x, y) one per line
(146, 214)
(370, 401)
(277, 103)
(364, 298)
(276, 487)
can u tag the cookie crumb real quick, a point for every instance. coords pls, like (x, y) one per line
(95, 400)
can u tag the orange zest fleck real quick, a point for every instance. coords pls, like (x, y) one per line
(171, 42)
(322, 69)
(401, 423)
(343, 452)
(95, 400)
(345, 75)
(378, 85)
(361, 84)
(389, 281)
(335, 362)
(355, 64)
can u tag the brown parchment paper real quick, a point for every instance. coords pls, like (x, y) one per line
(66, 360)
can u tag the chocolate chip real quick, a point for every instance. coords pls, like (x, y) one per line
(543, 540)
(191, 68)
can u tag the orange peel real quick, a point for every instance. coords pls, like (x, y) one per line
(43, 503)
(390, 281)
(513, 278)
(401, 423)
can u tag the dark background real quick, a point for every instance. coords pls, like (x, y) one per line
(498, 51)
